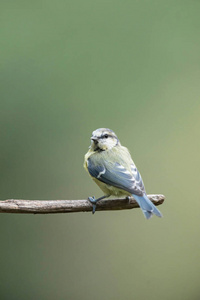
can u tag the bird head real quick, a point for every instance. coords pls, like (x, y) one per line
(103, 139)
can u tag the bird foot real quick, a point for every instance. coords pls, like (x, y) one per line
(93, 200)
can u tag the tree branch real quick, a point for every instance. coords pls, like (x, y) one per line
(68, 206)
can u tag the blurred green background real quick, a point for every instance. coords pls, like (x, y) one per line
(67, 68)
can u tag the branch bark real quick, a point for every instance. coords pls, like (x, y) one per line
(68, 206)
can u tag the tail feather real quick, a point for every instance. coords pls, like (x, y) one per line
(148, 208)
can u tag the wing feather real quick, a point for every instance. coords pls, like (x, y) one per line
(116, 175)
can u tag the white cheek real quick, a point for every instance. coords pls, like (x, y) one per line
(106, 144)
(101, 144)
(110, 143)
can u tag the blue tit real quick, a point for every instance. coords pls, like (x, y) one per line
(111, 167)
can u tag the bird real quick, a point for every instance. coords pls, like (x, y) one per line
(111, 167)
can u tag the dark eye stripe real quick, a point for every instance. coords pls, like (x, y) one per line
(106, 135)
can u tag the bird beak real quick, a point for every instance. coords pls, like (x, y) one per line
(94, 139)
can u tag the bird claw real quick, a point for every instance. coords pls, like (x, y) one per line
(93, 200)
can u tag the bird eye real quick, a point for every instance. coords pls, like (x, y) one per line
(106, 136)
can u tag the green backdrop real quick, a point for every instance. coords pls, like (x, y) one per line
(68, 68)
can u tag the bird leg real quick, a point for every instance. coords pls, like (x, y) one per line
(94, 201)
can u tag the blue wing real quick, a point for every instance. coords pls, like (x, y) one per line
(115, 174)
